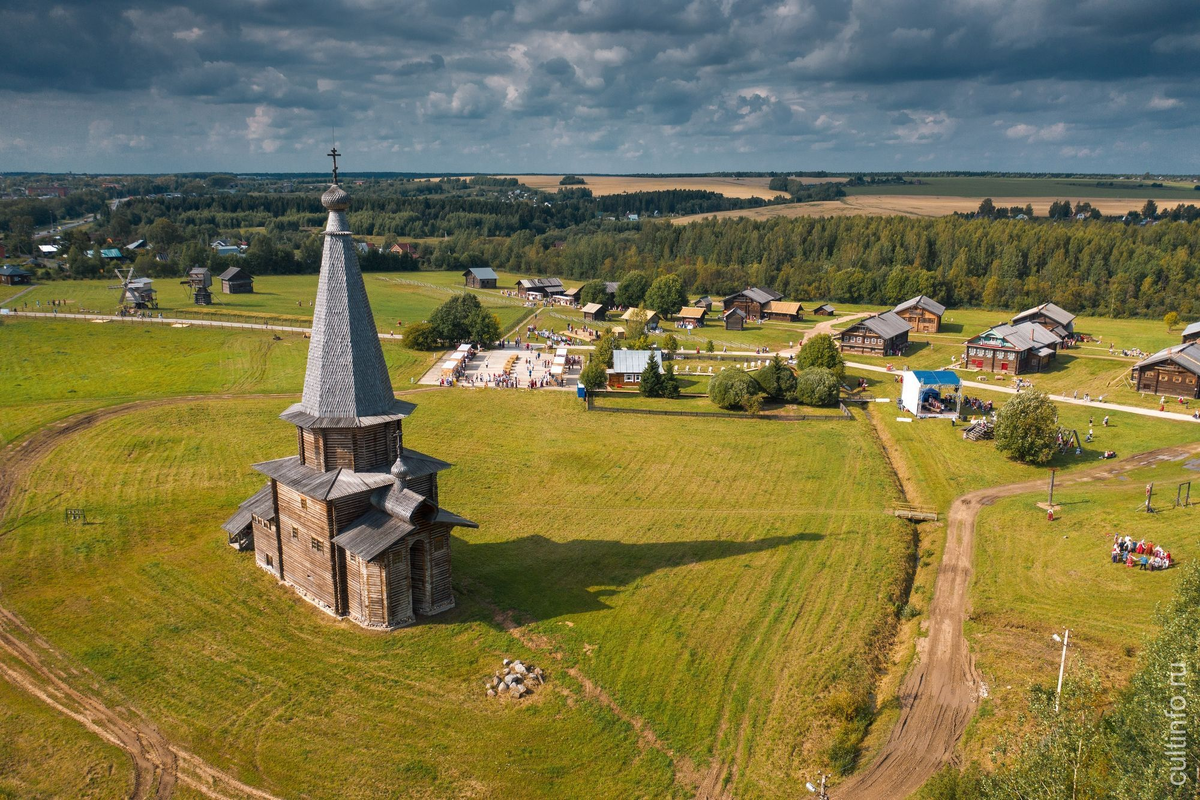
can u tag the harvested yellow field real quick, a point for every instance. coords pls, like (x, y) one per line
(616, 184)
(882, 205)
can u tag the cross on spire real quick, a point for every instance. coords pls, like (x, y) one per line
(334, 154)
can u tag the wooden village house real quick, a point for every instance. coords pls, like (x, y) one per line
(480, 278)
(1174, 372)
(628, 366)
(734, 318)
(1191, 333)
(236, 280)
(751, 301)
(783, 311)
(922, 313)
(1013, 349)
(594, 312)
(13, 276)
(823, 310)
(883, 334)
(648, 316)
(704, 302)
(352, 522)
(1051, 317)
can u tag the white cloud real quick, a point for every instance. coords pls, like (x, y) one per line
(1031, 133)
(1160, 103)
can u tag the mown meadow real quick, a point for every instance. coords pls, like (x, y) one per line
(688, 568)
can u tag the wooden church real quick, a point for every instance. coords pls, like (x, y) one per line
(352, 522)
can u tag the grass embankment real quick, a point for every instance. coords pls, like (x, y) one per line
(55, 369)
(690, 568)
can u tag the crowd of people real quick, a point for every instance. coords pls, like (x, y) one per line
(977, 405)
(1142, 554)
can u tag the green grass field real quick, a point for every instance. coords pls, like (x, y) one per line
(395, 298)
(54, 369)
(698, 600)
(1063, 188)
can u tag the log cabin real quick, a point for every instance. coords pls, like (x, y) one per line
(13, 276)
(691, 317)
(647, 315)
(735, 319)
(1051, 317)
(1012, 349)
(1173, 372)
(236, 280)
(751, 301)
(480, 278)
(352, 522)
(628, 365)
(824, 310)
(880, 335)
(1191, 333)
(594, 312)
(922, 313)
(704, 302)
(783, 311)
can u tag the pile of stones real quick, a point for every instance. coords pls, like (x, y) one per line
(515, 680)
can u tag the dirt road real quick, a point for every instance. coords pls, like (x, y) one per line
(941, 693)
(34, 665)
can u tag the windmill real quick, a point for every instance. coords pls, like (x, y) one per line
(136, 292)
(199, 279)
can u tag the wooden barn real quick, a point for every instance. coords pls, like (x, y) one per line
(236, 280)
(880, 335)
(594, 312)
(824, 310)
(628, 365)
(751, 301)
(783, 311)
(1013, 349)
(735, 319)
(352, 522)
(480, 278)
(691, 317)
(1174, 372)
(1051, 317)
(922, 313)
(704, 302)
(544, 287)
(13, 276)
(1191, 333)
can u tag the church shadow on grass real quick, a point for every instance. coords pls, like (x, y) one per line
(544, 579)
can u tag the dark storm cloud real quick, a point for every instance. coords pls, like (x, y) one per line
(603, 85)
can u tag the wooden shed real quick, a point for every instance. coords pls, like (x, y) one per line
(236, 280)
(650, 316)
(735, 319)
(824, 310)
(480, 278)
(594, 312)
(12, 276)
(783, 311)
(691, 317)
(1191, 333)
(751, 301)
(1174, 371)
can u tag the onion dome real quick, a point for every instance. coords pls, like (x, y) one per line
(335, 198)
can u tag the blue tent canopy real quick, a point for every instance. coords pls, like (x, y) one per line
(939, 377)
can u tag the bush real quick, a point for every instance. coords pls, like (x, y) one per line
(593, 376)
(777, 380)
(735, 388)
(821, 351)
(817, 386)
(420, 336)
(1027, 428)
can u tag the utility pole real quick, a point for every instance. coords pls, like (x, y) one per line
(1149, 494)
(1061, 666)
(1050, 502)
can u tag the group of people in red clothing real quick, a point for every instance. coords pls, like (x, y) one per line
(1142, 554)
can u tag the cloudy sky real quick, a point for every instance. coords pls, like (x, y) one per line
(600, 85)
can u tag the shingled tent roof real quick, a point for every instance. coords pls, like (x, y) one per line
(346, 382)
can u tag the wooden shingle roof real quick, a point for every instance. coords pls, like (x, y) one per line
(921, 301)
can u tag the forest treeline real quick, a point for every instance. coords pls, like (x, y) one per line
(1088, 267)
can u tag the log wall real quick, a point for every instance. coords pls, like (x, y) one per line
(303, 521)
